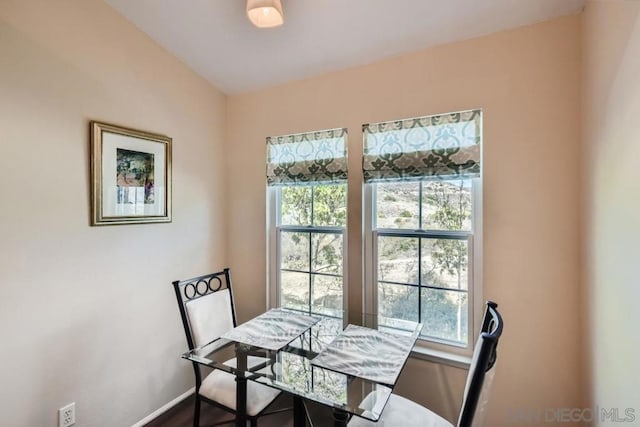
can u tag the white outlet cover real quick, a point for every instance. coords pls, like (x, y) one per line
(67, 415)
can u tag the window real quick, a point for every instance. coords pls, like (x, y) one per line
(306, 174)
(423, 228)
(311, 240)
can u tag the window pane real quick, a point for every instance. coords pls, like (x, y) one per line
(330, 205)
(445, 263)
(397, 302)
(296, 205)
(326, 253)
(294, 250)
(398, 259)
(444, 314)
(398, 205)
(446, 205)
(327, 295)
(294, 290)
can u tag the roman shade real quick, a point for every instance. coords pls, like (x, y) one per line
(311, 157)
(433, 147)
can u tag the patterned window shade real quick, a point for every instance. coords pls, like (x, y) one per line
(307, 157)
(434, 147)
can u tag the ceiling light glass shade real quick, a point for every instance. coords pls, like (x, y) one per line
(265, 13)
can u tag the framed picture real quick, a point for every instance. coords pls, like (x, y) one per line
(130, 176)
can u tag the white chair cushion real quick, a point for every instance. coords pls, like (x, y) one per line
(401, 412)
(220, 387)
(210, 316)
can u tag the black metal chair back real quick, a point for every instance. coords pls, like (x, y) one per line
(206, 306)
(484, 359)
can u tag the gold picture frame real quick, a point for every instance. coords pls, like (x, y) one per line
(130, 175)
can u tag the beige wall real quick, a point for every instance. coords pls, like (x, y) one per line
(528, 83)
(611, 32)
(87, 314)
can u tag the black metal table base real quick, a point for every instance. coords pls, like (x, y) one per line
(241, 387)
(241, 402)
(340, 418)
(299, 412)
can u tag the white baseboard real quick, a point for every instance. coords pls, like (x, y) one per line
(164, 408)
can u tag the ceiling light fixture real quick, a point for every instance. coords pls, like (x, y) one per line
(265, 13)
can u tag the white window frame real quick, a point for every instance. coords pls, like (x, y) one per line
(274, 230)
(432, 349)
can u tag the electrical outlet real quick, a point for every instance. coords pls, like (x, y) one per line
(67, 415)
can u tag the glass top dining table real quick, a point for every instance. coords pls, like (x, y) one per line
(351, 369)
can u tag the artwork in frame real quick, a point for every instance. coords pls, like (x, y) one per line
(130, 176)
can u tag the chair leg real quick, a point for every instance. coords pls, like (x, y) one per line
(196, 412)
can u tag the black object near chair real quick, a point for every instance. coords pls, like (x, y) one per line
(406, 413)
(208, 311)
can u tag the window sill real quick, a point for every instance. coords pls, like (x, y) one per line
(442, 357)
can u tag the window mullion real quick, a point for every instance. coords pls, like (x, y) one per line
(313, 221)
(313, 195)
(310, 263)
(420, 222)
(306, 229)
(429, 234)
(420, 253)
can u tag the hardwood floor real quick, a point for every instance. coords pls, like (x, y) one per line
(181, 415)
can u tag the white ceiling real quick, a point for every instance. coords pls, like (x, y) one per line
(215, 38)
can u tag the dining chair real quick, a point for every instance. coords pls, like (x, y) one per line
(208, 311)
(406, 413)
